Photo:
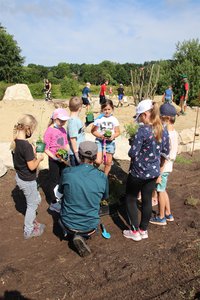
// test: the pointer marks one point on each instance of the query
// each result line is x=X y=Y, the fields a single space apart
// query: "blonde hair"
x=156 y=122
x=75 y=103
x=27 y=123
x=168 y=119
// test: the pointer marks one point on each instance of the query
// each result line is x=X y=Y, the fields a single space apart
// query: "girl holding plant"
x=55 y=138
x=106 y=130
x=150 y=143
x=25 y=163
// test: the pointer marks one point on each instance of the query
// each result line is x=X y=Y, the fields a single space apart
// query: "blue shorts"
x=161 y=187
x=120 y=97
x=110 y=146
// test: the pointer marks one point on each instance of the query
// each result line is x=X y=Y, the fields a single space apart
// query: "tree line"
x=70 y=77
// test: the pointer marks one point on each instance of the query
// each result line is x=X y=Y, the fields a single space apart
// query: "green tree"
x=69 y=87
x=187 y=61
x=10 y=58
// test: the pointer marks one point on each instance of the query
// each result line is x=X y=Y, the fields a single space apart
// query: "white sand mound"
x=18 y=92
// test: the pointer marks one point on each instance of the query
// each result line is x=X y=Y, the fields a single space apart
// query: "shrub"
x=3 y=87
x=69 y=87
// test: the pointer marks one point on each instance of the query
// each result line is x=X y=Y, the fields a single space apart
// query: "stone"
x=18 y=92
x=3 y=168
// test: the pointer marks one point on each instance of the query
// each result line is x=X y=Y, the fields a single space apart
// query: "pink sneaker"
x=132 y=234
x=143 y=234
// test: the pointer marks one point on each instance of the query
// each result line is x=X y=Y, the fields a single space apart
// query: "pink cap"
x=61 y=114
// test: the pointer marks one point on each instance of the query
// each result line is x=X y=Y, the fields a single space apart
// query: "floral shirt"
x=145 y=153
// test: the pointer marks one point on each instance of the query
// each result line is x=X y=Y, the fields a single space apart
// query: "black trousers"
x=133 y=186
x=55 y=170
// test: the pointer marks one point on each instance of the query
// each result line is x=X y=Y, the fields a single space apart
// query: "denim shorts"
x=120 y=96
x=161 y=187
x=110 y=146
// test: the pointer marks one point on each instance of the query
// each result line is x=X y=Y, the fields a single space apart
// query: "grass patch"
x=183 y=160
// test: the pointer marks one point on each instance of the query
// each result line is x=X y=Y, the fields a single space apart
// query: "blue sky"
x=90 y=31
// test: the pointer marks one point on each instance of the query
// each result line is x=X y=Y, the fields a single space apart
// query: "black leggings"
x=133 y=186
x=55 y=170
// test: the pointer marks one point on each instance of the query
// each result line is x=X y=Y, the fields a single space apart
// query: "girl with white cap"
x=150 y=143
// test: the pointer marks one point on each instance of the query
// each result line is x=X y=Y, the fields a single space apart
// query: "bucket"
x=89 y=118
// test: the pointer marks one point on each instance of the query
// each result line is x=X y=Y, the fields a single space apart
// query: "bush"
x=37 y=90
x=3 y=87
x=69 y=87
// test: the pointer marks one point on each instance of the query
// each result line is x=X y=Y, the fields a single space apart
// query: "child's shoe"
x=55 y=207
x=81 y=246
x=37 y=231
x=158 y=221
x=143 y=234
x=169 y=218
x=132 y=234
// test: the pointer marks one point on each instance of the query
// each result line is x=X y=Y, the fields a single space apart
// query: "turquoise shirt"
x=75 y=129
x=83 y=187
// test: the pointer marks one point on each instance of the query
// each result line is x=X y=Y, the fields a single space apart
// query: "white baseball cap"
x=143 y=106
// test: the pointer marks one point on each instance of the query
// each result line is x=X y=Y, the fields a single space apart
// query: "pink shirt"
x=55 y=138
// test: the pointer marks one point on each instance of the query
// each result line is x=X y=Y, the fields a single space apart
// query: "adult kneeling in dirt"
x=82 y=187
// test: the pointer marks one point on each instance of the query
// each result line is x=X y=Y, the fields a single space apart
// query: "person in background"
x=168 y=96
x=168 y=116
x=86 y=95
x=75 y=130
x=25 y=163
x=120 y=91
x=150 y=142
x=47 y=90
x=55 y=138
x=102 y=95
x=184 y=94
x=82 y=187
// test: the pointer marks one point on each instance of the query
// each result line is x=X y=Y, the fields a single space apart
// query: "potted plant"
x=40 y=145
x=89 y=116
x=62 y=154
x=130 y=131
x=107 y=133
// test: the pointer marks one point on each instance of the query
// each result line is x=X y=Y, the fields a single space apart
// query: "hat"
x=88 y=149
x=143 y=106
x=167 y=109
x=61 y=114
x=183 y=76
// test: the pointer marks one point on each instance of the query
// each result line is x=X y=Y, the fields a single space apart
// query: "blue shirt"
x=75 y=129
x=83 y=187
x=85 y=92
x=168 y=94
x=145 y=153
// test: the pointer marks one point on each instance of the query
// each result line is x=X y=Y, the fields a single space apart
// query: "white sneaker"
x=132 y=234
x=143 y=234
x=55 y=207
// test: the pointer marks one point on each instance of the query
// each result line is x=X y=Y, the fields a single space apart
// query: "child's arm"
x=33 y=164
x=95 y=132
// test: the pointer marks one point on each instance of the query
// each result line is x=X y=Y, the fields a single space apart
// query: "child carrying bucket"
x=106 y=130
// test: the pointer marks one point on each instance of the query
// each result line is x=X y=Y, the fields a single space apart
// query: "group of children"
x=151 y=159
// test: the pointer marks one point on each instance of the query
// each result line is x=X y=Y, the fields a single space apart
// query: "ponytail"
x=156 y=122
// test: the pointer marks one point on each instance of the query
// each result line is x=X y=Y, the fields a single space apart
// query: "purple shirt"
x=55 y=138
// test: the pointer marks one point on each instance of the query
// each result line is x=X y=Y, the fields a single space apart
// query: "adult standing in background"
x=184 y=94
x=47 y=90
x=102 y=95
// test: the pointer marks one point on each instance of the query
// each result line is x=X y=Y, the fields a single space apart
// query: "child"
x=55 y=137
x=26 y=163
x=86 y=95
x=150 y=142
x=75 y=130
x=168 y=115
x=120 y=91
x=106 y=122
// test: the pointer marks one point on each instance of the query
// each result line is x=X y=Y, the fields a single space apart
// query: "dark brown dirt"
x=165 y=266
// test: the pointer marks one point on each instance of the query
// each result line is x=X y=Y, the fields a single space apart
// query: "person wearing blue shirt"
x=168 y=95
x=150 y=143
x=82 y=187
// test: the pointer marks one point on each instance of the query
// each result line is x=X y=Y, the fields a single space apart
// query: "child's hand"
x=159 y=179
x=40 y=156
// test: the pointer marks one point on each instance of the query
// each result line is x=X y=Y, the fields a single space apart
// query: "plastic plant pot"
x=40 y=147
x=90 y=118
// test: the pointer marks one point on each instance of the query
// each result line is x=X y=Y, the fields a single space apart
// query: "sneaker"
x=158 y=221
x=81 y=246
x=55 y=207
x=132 y=234
x=169 y=218
x=143 y=234
x=37 y=231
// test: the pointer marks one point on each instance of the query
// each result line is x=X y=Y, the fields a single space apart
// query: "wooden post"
x=195 y=130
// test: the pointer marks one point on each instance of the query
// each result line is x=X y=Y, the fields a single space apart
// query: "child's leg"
x=167 y=205
x=162 y=203
x=54 y=177
x=99 y=158
x=108 y=163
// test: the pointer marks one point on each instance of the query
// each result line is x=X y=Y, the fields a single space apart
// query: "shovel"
x=104 y=233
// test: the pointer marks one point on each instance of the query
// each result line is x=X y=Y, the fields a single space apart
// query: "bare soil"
x=165 y=266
